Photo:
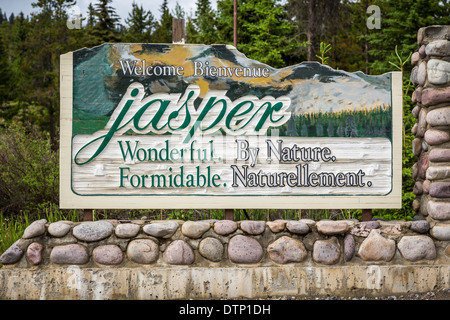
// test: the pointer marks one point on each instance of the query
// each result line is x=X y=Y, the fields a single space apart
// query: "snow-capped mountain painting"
x=324 y=102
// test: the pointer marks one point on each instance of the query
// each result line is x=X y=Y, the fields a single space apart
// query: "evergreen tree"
x=16 y=40
x=140 y=25
x=263 y=30
x=91 y=16
x=89 y=38
x=107 y=19
x=39 y=66
x=204 y=24
x=5 y=73
x=400 y=21
x=191 y=31
x=163 y=32
x=178 y=12
x=315 y=21
x=350 y=47
x=224 y=21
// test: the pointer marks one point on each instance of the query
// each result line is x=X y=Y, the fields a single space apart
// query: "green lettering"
x=137 y=117
x=128 y=150
x=214 y=178
x=235 y=110
x=209 y=105
x=174 y=114
x=159 y=177
x=268 y=113
x=122 y=176
x=107 y=137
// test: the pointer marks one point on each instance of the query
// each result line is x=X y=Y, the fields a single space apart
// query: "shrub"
x=29 y=171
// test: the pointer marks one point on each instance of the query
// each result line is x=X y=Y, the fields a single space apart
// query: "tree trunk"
x=311 y=30
x=366 y=43
x=53 y=124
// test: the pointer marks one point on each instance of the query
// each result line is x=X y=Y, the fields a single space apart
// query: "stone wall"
x=431 y=78
x=226 y=243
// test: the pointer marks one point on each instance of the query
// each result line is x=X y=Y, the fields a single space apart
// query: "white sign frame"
x=69 y=199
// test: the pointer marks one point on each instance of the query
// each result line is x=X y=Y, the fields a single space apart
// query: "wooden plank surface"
x=102 y=175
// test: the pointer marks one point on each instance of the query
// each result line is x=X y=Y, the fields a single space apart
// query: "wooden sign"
x=196 y=126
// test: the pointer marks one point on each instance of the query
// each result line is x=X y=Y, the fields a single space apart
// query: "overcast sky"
x=123 y=7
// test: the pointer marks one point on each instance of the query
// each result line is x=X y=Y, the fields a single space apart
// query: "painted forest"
x=344 y=34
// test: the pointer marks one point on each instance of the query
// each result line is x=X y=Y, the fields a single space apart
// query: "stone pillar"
x=431 y=78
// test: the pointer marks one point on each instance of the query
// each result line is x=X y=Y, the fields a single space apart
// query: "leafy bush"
x=29 y=171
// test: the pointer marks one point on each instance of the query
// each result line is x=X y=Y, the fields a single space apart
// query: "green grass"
x=11 y=230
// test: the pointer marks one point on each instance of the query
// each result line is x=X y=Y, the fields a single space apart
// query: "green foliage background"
x=279 y=33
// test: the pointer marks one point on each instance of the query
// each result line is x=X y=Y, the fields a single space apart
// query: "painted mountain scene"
x=324 y=102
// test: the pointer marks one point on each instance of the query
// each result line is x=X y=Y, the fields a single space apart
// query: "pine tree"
x=39 y=68
x=178 y=12
x=107 y=19
x=91 y=16
x=191 y=31
x=16 y=41
x=400 y=21
x=140 y=25
x=224 y=21
x=5 y=73
x=204 y=24
x=350 y=47
x=163 y=32
x=315 y=21
x=263 y=30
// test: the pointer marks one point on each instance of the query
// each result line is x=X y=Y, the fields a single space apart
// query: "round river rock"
x=253 y=227
x=161 y=229
x=243 y=249
x=195 y=229
x=144 y=251
x=225 y=227
x=179 y=253
x=349 y=247
x=34 y=253
x=211 y=249
x=414 y=248
x=69 y=254
x=377 y=248
x=108 y=254
x=420 y=226
x=331 y=227
x=298 y=227
x=35 y=229
x=326 y=251
x=12 y=254
x=93 y=231
x=286 y=250
x=59 y=229
x=127 y=230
